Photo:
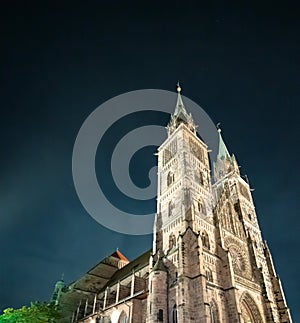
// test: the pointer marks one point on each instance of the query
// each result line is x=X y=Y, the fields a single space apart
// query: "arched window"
x=209 y=275
x=172 y=241
x=174 y=314
x=160 y=315
x=249 y=310
x=170 y=178
x=214 y=312
x=201 y=206
x=170 y=208
x=123 y=318
x=205 y=240
x=201 y=178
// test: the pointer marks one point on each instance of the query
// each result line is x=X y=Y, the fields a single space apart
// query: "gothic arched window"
x=201 y=206
x=249 y=310
x=170 y=208
x=160 y=315
x=209 y=275
x=123 y=318
x=174 y=314
x=172 y=241
x=201 y=178
x=205 y=240
x=170 y=178
x=214 y=313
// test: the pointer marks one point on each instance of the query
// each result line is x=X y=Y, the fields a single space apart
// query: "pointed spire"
x=224 y=163
x=223 y=151
x=180 y=109
x=180 y=114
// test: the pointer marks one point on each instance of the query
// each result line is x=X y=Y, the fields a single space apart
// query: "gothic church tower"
x=209 y=262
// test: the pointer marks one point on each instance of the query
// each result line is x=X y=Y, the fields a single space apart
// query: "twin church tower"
x=207 y=238
x=208 y=262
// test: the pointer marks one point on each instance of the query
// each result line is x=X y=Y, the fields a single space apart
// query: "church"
x=208 y=262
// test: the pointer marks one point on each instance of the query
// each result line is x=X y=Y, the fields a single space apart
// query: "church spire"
x=224 y=163
x=223 y=151
x=180 y=115
x=179 y=104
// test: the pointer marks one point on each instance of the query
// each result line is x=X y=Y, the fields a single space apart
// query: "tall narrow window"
x=205 y=240
x=201 y=206
x=160 y=315
x=123 y=318
x=174 y=314
x=170 y=208
x=209 y=275
x=170 y=178
x=172 y=241
x=201 y=178
x=214 y=312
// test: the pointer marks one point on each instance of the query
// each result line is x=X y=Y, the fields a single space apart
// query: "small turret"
x=58 y=289
x=158 y=289
x=225 y=163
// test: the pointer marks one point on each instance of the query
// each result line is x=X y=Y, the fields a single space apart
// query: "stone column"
x=94 y=304
x=105 y=298
x=118 y=292
x=132 y=284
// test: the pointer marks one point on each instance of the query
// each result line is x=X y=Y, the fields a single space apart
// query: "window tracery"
x=249 y=310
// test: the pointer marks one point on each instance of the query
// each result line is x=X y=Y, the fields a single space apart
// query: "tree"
x=35 y=313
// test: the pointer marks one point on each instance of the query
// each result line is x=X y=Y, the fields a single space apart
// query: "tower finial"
x=218 y=127
x=178 y=87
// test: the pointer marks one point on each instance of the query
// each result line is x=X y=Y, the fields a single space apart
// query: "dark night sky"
x=59 y=62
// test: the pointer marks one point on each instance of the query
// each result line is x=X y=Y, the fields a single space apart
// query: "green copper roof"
x=160 y=266
x=223 y=151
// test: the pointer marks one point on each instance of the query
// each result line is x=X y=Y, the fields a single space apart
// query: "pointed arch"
x=174 y=314
x=172 y=241
x=209 y=275
x=201 y=177
x=170 y=208
x=249 y=310
x=205 y=239
x=170 y=178
x=200 y=206
x=214 y=312
x=123 y=318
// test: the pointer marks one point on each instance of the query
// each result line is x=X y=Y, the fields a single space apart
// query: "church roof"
x=92 y=281
x=119 y=255
x=107 y=272
x=134 y=265
x=160 y=266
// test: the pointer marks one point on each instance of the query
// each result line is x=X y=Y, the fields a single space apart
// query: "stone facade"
x=208 y=262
